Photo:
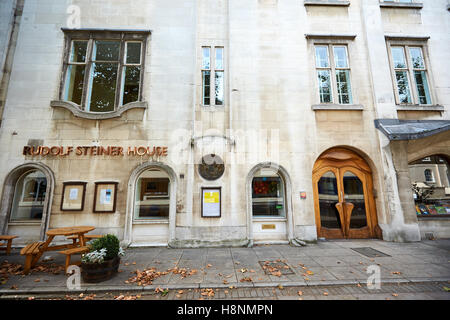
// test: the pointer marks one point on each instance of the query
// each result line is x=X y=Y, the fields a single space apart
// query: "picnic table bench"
x=35 y=250
x=6 y=240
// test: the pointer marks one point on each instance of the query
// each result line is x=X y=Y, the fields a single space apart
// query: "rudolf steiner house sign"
x=95 y=151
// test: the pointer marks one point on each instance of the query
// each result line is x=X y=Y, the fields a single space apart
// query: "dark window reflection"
x=328 y=197
x=354 y=193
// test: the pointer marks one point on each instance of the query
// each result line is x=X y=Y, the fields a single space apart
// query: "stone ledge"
x=77 y=112
x=330 y=36
x=334 y=3
x=401 y=5
x=421 y=108
x=357 y=107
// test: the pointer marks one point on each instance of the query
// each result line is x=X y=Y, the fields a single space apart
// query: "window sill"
x=334 y=3
x=433 y=217
x=24 y=223
x=420 y=108
x=266 y=219
x=151 y=221
x=357 y=107
x=77 y=112
x=400 y=5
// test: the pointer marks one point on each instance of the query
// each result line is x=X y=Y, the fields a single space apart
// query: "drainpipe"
x=9 y=57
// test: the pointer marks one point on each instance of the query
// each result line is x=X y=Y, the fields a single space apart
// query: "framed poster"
x=211 y=202
x=105 y=197
x=73 y=196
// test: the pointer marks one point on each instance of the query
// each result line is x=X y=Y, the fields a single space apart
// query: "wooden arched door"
x=343 y=198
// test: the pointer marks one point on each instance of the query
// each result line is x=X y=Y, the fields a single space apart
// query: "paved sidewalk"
x=327 y=263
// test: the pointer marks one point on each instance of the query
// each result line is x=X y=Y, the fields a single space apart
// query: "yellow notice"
x=211 y=197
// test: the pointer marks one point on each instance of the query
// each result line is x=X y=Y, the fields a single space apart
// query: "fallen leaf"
x=300 y=293
x=309 y=272
x=37 y=280
x=280 y=287
x=209 y=265
x=395 y=294
x=396 y=272
x=246 y=279
x=358 y=285
x=180 y=291
x=325 y=293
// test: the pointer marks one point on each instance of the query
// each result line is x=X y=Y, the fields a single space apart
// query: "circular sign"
x=212 y=167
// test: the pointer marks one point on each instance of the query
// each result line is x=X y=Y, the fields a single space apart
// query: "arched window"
x=428 y=175
x=29 y=196
x=268 y=194
x=152 y=195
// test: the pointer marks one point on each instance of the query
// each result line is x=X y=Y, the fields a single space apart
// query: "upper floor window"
x=410 y=74
x=103 y=70
x=428 y=175
x=212 y=76
x=333 y=74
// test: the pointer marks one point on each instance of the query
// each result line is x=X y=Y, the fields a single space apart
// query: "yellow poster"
x=211 y=197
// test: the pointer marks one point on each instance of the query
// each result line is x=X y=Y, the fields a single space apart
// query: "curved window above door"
x=103 y=72
x=268 y=194
x=29 y=197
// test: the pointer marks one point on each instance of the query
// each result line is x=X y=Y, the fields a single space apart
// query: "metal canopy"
x=396 y=129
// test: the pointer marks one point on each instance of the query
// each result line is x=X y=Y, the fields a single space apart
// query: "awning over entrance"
x=396 y=129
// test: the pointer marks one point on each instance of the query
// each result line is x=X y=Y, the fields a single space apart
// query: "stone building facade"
x=221 y=123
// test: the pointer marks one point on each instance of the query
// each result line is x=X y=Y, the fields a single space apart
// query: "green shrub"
x=110 y=242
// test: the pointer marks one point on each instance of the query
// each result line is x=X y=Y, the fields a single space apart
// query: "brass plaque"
x=268 y=226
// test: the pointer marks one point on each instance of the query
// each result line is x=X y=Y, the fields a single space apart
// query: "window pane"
x=268 y=196
x=328 y=197
x=417 y=58
x=324 y=86
x=152 y=195
x=78 y=53
x=422 y=87
x=398 y=55
x=74 y=83
x=322 y=57
x=206 y=78
x=106 y=50
x=133 y=53
x=344 y=87
x=29 y=196
x=219 y=58
x=354 y=193
x=219 y=87
x=206 y=61
x=340 y=57
x=103 y=87
x=130 y=82
x=403 y=86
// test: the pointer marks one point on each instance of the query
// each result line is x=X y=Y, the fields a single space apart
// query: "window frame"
x=92 y=35
x=407 y=45
x=330 y=44
x=212 y=75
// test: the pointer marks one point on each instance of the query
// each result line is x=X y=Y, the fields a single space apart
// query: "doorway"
x=343 y=198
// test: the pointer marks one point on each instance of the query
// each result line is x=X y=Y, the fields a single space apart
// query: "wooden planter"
x=97 y=272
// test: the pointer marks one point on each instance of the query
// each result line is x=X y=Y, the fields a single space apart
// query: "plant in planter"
x=102 y=261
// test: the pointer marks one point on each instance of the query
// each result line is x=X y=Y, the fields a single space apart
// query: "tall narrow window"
x=212 y=75
x=410 y=75
x=75 y=71
x=333 y=74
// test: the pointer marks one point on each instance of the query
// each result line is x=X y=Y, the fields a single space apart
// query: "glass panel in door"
x=328 y=197
x=354 y=193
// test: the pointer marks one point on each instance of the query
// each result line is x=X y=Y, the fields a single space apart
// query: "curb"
x=96 y=289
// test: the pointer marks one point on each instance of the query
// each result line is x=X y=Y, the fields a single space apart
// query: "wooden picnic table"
x=36 y=252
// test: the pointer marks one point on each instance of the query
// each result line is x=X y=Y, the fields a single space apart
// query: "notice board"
x=211 y=202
